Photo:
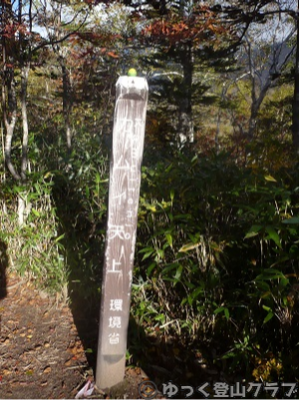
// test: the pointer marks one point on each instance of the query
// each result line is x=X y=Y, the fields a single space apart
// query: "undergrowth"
x=34 y=247
x=217 y=260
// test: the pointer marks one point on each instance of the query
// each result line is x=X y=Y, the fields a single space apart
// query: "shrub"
x=218 y=255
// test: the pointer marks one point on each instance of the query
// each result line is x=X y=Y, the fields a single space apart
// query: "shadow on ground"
x=162 y=358
x=3 y=267
x=83 y=244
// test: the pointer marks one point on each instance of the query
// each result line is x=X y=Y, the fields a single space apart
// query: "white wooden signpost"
x=124 y=188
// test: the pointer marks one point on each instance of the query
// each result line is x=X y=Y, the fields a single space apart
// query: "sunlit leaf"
x=268 y=317
x=35 y=212
x=253 y=231
x=89 y=351
x=273 y=235
x=169 y=239
x=172 y=195
x=270 y=178
x=269 y=274
x=188 y=247
x=224 y=310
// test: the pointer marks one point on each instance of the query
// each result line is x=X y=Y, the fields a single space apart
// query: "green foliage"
x=272 y=149
x=218 y=250
x=34 y=248
x=80 y=196
x=217 y=245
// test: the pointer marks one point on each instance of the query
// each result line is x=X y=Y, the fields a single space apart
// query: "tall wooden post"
x=124 y=188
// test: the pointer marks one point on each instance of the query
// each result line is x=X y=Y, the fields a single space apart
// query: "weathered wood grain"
x=124 y=188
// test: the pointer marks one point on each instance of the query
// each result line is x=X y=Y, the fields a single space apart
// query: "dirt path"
x=41 y=354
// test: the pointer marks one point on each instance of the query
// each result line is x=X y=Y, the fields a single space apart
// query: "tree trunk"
x=186 y=128
x=22 y=197
x=9 y=101
x=13 y=53
x=10 y=117
x=295 y=117
x=255 y=108
x=67 y=102
x=24 y=82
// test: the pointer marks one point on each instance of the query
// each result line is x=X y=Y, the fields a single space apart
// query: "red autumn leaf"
x=112 y=54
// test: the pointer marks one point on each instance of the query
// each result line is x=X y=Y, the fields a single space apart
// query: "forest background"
x=216 y=264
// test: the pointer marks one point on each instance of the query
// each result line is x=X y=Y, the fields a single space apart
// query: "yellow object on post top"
x=132 y=72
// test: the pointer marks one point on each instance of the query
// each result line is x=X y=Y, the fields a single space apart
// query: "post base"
x=110 y=370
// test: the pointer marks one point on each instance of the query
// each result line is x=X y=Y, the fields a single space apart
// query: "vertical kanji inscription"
x=124 y=187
